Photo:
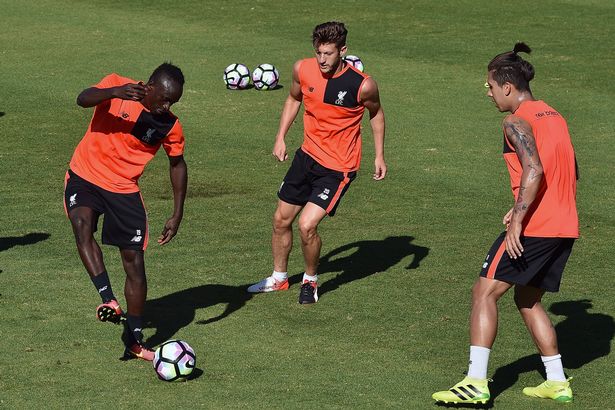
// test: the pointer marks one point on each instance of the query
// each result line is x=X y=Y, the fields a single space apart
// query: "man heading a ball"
x=335 y=96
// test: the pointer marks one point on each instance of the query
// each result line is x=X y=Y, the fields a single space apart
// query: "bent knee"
x=307 y=229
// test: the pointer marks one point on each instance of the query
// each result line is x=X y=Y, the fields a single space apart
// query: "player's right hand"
x=279 y=150
x=134 y=92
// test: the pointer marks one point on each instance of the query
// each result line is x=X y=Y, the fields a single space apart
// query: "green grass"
x=383 y=335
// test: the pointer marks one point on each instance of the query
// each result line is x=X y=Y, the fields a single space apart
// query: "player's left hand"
x=514 y=248
x=169 y=231
x=380 y=169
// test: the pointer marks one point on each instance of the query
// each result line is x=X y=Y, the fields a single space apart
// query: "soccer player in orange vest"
x=131 y=121
x=540 y=230
x=335 y=95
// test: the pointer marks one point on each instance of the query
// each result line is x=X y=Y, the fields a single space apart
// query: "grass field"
x=400 y=256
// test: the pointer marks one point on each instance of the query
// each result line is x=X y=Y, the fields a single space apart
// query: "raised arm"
x=93 y=96
x=289 y=113
x=179 y=181
x=519 y=134
x=370 y=98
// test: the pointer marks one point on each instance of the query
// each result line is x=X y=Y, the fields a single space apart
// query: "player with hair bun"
x=541 y=228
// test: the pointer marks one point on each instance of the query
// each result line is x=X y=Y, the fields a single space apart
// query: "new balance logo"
x=340 y=97
x=72 y=200
x=325 y=194
x=137 y=237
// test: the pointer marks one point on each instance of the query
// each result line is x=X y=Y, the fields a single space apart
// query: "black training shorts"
x=125 y=220
x=308 y=181
x=541 y=265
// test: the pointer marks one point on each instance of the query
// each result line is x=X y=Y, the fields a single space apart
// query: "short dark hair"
x=509 y=67
x=167 y=70
x=332 y=32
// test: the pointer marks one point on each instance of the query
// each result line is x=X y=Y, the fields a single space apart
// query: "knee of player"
x=281 y=223
x=307 y=229
x=82 y=229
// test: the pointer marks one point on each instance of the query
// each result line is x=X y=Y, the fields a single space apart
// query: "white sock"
x=279 y=276
x=554 y=368
x=309 y=278
x=479 y=359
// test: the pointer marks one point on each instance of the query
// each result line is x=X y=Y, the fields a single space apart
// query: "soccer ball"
x=236 y=77
x=355 y=62
x=265 y=77
x=174 y=360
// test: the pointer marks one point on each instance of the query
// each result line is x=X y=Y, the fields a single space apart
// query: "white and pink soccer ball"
x=265 y=77
x=355 y=62
x=174 y=360
x=236 y=77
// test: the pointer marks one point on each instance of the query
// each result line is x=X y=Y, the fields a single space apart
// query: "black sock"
x=103 y=286
x=135 y=326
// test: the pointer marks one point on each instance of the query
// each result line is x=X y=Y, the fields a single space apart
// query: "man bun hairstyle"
x=332 y=32
x=167 y=70
x=510 y=67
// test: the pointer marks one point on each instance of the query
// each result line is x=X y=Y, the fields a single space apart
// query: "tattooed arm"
x=519 y=134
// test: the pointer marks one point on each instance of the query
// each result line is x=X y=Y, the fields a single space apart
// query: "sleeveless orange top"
x=333 y=114
x=121 y=139
x=554 y=211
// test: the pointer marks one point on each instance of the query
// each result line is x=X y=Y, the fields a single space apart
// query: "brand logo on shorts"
x=137 y=237
x=340 y=97
x=72 y=200
x=485 y=265
x=325 y=194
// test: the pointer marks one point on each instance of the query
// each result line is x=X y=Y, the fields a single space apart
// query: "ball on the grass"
x=174 y=360
x=236 y=76
x=355 y=62
x=265 y=77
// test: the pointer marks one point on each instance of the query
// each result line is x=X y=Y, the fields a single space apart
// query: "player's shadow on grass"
x=582 y=338
x=361 y=259
x=28 y=239
x=168 y=314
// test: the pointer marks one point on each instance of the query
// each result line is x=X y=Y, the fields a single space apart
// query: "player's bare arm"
x=179 y=181
x=289 y=113
x=93 y=96
x=519 y=133
x=370 y=98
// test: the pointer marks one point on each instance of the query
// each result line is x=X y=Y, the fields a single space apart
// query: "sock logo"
x=102 y=289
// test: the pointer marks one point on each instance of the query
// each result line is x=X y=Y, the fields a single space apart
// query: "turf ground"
x=398 y=259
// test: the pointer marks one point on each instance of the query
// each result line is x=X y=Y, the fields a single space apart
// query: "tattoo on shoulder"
x=519 y=137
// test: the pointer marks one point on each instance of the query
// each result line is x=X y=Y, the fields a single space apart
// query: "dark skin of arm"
x=91 y=97
x=519 y=134
x=178 y=171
